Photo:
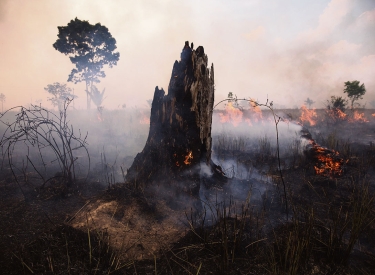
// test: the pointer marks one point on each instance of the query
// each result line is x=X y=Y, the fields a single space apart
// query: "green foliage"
x=61 y=93
x=89 y=48
x=354 y=91
x=337 y=103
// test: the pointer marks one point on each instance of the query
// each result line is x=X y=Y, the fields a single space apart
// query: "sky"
x=285 y=51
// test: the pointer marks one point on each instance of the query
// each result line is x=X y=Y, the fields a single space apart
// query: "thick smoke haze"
x=287 y=50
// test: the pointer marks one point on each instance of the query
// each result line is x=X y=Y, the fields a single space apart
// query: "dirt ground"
x=92 y=228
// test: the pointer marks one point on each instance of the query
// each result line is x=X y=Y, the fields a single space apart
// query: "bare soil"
x=92 y=228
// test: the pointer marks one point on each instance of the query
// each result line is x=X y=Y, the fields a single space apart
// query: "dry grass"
x=330 y=229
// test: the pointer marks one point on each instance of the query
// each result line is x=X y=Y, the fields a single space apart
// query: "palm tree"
x=97 y=96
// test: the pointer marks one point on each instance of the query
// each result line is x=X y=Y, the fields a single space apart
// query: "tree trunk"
x=88 y=99
x=179 y=140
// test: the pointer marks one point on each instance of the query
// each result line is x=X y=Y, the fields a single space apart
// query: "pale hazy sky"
x=288 y=50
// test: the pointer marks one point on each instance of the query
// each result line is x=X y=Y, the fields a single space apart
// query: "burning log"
x=328 y=162
x=180 y=128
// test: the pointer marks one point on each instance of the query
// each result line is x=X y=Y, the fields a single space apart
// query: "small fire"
x=359 y=117
x=235 y=115
x=144 y=120
x=255 y=113
x=99 y=116
x=327 y=162
x=232 y=114
x=337 y=114
x=177 y=163
x=373 y=114
x=308 y=115
x=99 y=113
x=188 y=158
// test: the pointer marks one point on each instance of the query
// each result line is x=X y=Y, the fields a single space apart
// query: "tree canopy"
x=60 y=93
x=337 y=103
x=89 y=48
x=354 y=91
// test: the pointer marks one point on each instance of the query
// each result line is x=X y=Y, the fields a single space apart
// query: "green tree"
x=354 y=91
x=337 y=103
x=89 y=48
x=309 y=102
x=60 y=93
x=2 y=99
x=336 y=108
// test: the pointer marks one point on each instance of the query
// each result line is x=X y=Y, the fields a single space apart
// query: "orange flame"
x=236 y=116
x=329 y=163
x=99 y=116
x=373 y=114
x=255 y=112
x=308 y=115
x=188 y=158
x=359 y=117
x=337 y=114
x=144 y=120
x=232 y=114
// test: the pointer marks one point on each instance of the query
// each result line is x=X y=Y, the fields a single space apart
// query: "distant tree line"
x=354 y=91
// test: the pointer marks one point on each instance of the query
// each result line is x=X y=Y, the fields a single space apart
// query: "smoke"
x=3 y=7
x=286 y=51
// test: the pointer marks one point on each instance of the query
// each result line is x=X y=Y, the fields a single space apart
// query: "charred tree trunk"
x=179 y=140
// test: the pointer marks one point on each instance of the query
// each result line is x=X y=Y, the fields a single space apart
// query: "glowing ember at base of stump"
x=179 y=140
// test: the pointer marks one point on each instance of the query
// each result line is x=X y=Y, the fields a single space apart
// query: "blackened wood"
x=179 y=140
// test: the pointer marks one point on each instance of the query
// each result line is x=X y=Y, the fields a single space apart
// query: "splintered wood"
x=179 y=139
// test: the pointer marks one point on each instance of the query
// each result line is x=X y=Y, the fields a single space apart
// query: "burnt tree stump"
x=179 y=140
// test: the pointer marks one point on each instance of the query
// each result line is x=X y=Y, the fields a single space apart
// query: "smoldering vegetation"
x=276 y=213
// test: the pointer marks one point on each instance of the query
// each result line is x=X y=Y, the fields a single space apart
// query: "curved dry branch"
x=277 y=119
x=41 y=129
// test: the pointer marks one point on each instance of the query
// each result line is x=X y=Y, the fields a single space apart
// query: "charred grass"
x=329 y=230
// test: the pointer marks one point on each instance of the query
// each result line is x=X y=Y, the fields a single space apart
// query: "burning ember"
x=188 y=158
x=232 y=114
x=327 y=161
x=99 y=116
x=308 y=115
x=144 y=120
